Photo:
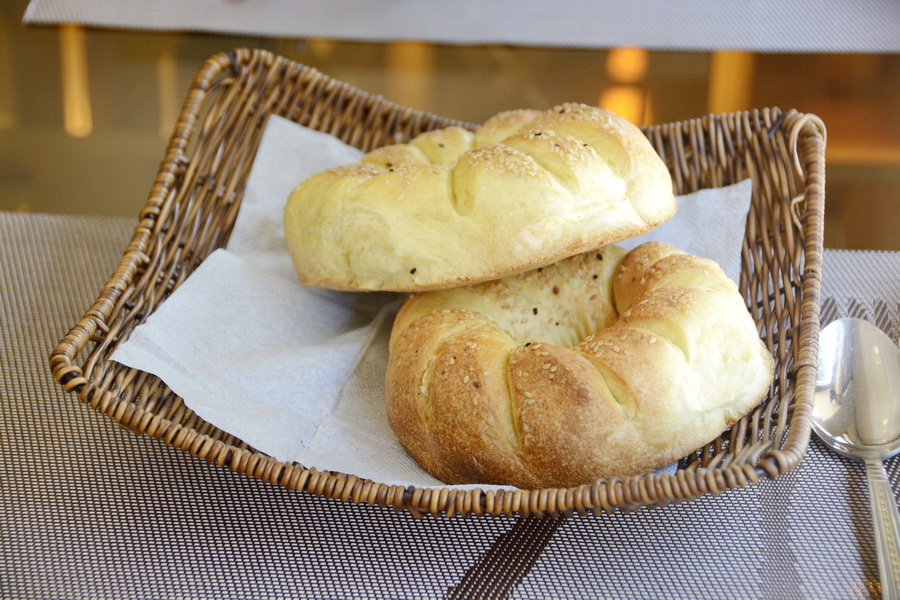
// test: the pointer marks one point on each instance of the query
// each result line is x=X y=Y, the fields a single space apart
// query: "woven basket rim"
x=805 y=134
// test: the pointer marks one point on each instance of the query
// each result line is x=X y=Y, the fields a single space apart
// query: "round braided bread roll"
x=602 y=365
x=454 y=207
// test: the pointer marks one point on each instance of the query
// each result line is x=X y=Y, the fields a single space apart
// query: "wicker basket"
x=197 y=194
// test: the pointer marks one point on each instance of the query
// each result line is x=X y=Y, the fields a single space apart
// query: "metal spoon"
x=857 y=414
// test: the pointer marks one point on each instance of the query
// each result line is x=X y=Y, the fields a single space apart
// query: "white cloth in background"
x=759 y=26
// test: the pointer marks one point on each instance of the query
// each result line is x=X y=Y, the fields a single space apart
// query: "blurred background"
x=85 y=112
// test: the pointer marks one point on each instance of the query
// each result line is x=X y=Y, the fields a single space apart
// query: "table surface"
x=91 y=510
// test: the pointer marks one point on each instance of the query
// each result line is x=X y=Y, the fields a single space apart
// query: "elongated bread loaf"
x=454 y=207
x=601 y=365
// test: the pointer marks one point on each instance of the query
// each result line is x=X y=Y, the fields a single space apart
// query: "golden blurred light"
x=410 y=73
x=7 y=79
x=76 y=96
x=321 y=48
x=167 y=86
x=730 y=81
x=627 y=101
x=627 y=65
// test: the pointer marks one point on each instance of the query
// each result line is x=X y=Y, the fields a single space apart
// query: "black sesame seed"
x=440 y=145
x=555 y=289
x=537 y=133
x=534 y=310
x=596 y=276
x=540 y=269
x=557 y=323
x=528 y=344
x=599 y=257
x=557 y=145
x=412 y=271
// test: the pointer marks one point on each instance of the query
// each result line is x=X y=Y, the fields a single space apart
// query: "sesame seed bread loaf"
x=454 y=207
x=605 y=364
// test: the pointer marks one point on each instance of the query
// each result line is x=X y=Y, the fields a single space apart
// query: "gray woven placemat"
x=91 y=510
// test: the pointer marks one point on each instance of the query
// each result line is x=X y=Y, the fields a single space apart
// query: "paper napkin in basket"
x=298 y=372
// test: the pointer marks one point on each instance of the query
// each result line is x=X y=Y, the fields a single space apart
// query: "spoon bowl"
x=857 y=414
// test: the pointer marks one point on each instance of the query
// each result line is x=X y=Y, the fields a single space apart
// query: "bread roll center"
x=560 y=304
x=553 y=309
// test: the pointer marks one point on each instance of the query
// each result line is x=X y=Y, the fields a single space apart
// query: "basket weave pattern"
x=197 y=194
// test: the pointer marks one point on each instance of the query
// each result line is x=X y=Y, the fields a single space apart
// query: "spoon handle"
x=887 y=528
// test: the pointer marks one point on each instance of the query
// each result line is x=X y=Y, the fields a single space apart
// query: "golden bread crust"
x=602 y=365
x=453 y=207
